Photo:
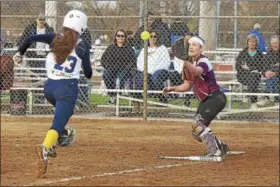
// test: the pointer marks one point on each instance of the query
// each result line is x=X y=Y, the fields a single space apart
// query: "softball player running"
x=199 y=75
x=68 y=56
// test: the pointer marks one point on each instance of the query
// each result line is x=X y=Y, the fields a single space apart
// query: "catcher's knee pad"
x=67 y=138
x=199 y=129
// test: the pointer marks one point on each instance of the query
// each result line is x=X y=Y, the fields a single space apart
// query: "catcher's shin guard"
x=198 y=128
x=204 y=134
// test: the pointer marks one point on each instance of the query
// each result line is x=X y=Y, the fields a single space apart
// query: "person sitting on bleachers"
x=118 y=61
x=249 y=66
x=158 y=65
x=272 y=71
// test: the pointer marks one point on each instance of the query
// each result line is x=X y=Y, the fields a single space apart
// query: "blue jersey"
x=261 y=46
x=78 y=59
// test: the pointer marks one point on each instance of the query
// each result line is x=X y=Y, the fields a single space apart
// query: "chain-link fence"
x=241 y=42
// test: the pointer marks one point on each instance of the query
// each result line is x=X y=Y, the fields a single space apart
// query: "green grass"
x=5 y=98
x=100 y=99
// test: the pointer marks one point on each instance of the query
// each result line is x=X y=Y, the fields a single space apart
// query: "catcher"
x=7 y=65
x=180 y=47
x=199 y=75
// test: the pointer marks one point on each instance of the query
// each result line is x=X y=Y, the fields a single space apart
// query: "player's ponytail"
x=64 y=44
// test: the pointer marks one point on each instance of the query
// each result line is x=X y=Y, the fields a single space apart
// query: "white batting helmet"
x=76 y=20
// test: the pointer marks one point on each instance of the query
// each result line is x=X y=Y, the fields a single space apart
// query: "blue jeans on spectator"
x=137 y=52
x=155 y=82
x=110 y=78
x=272 y=86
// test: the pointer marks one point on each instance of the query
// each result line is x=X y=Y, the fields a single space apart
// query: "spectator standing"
x=86 y=36
x=249 y=66
x=272 y=71
x=158 y=65
x=6 y=67
x=163 y=30
x=118 y=61
x=157 y=25
x=38 y=27
x=178 y=29
x=130 y=40
x=84 y=83
x=257 y=31
x=138 y=42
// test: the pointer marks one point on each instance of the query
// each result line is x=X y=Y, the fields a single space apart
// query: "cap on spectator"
x=257 y=26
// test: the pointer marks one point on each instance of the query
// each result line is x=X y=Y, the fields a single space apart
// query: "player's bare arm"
x=186 y=86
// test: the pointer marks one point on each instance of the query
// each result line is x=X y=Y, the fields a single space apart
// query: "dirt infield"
x=124 y=153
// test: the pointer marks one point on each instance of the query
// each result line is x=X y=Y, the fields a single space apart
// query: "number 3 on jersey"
x=71 y=60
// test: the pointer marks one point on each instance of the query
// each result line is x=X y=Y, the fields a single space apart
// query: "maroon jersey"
x=206 y=83
x=7 y=72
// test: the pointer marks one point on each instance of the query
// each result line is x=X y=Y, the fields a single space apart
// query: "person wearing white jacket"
x=158 y=65
x=158 y=59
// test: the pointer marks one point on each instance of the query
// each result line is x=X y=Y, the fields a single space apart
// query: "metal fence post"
x=145 y=83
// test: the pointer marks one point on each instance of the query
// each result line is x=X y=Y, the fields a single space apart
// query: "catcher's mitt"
x=7 y=72
x=180 y=48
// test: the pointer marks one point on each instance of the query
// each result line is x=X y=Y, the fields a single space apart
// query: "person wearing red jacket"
x=7 y=65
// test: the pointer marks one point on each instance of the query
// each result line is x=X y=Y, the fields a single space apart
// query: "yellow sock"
x=51 y=138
